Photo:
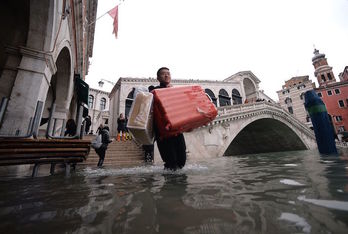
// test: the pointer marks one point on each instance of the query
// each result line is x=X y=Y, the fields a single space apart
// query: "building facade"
x=334 y=94
x=98 y=105
x=45 y=48
x=291 y=97
x=232 y=91
x=344 y=75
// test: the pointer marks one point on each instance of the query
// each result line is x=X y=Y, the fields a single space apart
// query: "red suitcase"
x=181 y=109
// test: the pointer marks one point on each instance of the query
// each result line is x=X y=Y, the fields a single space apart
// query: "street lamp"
x=101 y=82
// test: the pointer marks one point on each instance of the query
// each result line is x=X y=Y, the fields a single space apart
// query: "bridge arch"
x=264 y=135
x=257 y=127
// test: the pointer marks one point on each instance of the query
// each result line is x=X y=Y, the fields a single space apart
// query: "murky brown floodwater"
x=289 y=192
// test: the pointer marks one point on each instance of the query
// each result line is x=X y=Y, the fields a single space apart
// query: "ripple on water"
x=140 y=170
x=290 y=165
x=332 y=204
x=299 y=221
x=291 y=182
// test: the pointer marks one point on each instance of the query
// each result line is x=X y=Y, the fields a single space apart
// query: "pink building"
x=334 y=94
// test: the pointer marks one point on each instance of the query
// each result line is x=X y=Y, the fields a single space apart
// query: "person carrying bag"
x=100 y=144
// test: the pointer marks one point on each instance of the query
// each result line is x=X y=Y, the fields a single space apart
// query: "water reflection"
x=37 y=205
x=288 y=192
x=337 y=174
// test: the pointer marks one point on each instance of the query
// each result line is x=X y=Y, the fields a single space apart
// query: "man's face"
x=164 y=77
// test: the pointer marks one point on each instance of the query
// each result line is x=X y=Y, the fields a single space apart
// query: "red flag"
x=114 y=14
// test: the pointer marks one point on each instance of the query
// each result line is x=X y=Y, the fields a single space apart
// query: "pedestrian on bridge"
x=121 y=128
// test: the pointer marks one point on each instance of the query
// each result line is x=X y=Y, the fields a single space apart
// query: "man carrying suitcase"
x=172 y=149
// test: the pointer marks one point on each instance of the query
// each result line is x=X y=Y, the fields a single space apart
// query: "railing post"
x=3 y=106
x=63 y=128
x=36 y=121
x=53 y=109
x=29 y=126
x=79 y=121
x=54 y=126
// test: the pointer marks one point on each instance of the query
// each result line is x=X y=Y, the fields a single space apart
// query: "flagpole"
x=103 y=14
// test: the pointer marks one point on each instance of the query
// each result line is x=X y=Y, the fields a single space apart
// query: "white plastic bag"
x=97 y=142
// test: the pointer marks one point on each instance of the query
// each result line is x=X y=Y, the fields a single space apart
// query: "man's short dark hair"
x=162 y=68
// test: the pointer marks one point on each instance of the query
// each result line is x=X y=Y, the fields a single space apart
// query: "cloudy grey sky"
x=212 y=40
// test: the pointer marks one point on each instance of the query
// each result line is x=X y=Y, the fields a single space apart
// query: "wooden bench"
x=43 y=151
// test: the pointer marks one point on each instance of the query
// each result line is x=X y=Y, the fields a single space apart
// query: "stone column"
x=31 y=85
x=9 y=72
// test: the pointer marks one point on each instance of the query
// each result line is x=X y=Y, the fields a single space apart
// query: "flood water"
x=288 y=192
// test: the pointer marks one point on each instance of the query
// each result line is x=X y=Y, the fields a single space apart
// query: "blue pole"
x=323 y=129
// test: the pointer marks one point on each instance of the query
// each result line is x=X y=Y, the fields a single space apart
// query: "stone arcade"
x=44 y=45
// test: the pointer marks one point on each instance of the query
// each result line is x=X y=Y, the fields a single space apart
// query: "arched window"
x=224 y=99
x=288 y=100
x=102 y=103
x=129 y=101
x=211 y=95
x=236 y=98
x=302 y=97
x=288 y=103
x=90 y=101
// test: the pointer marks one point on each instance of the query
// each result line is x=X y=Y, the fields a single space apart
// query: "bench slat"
x=26 y=140
x=40 y=151
x=29 y=150
x=40 y=161
x=40 y=145
x=48 y=155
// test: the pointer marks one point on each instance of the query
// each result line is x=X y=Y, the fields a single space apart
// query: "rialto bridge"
x=257 y=127
x=237 y=89
x=254 y=127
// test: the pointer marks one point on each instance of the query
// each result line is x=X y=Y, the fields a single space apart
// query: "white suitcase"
x=140 y=120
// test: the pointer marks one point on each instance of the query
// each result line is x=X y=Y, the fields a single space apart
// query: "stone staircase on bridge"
x=119 y=154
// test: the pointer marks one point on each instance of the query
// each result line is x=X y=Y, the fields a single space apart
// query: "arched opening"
x=58 y=91
x=249 y=89
x=224 y=99
x=63 y=76
x=129 y=101
x=265 y=135
x=236 y=98
x=211 y=95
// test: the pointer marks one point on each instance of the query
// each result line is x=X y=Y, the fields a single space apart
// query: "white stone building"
x=45 y=48
x=231 y=91
x=291 y=97
x=98 y=104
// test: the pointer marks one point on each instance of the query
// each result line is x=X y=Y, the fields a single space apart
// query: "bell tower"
x=323 y=72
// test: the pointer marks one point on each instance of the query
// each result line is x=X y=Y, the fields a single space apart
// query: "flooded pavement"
x=288 y=192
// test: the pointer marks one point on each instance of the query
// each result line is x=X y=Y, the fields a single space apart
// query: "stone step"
x=121 y=164
x=138 y=157
x=119 y=153
x=114 y=162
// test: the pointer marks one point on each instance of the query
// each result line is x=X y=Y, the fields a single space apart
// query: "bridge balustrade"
x=245 y=110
